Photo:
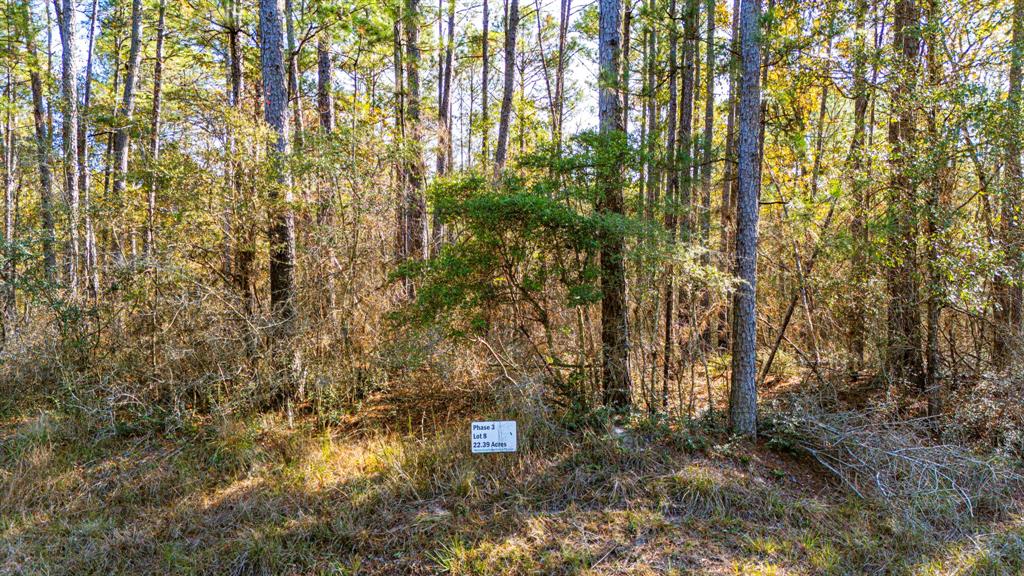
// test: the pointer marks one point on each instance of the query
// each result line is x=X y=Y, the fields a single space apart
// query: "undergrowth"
x=261 y=495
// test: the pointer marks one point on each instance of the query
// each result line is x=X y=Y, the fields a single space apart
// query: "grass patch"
x=260 y=496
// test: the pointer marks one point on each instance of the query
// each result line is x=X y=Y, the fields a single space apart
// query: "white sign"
x=490 y=437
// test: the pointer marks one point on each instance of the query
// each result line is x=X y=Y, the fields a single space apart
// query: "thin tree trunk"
x=677 y=209
x=934 y=214
x=85 y=172
x=552 y=111
x=903 y=360
x=650 y=92
x=709 y=130
x=293 y=72
x=154 y=135
x=856 y=162
x=325 y=213
x=401 y=228
x=415 y=209
x=325 y=103
x=511 y=27
x=743 y=389
x=1008 y=289
x=614 y=328
x=563 y=31
x=729 y=176
x=149 y=247
x=444 y=139
x=42 y=155
x=65 y=14
x=627 y=28
x=686 y=99
x=484 y=83
x=282 y=221
x=239 y=235
x=127 y=108
x=10 y=168
x=671 y=186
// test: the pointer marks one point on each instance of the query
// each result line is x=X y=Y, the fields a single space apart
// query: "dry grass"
x=257 y=496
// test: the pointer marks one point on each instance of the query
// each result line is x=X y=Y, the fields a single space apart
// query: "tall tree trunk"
x=111 y=237
x=85 y=172
x=671 y=187
x=282 y=221
x=325 y=212
x=1008 y=289
x=401 y=248
x=709 y=130
x=511 y=27
x=552 y=109
x=743 y=389
x=686 y=99
x=563 y=32
x=293 y=72
x=653 y=178
x=485 y=83
x=903 y=359
x=627 y=28
x=10 y=168
x=240 y=233
x=325 y=103
x=66 y=24
x=42 y=153
x=127 y=108
x=856 y=163
x=154 y=132
x=415 y=245
x=934 y=212
x=149 y=246
x=614 y=328
x=678 y=205
x=444 y=136
x=729 y=175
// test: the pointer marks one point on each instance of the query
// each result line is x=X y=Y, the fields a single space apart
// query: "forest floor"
x=264 y=496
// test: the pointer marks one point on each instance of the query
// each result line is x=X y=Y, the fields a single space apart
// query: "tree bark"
x=856 y=163
x=127 y=109
x=743 y=389
x=627 y=29
x=728 y=209
x=709 y=131
x=66 y=24
x=42 y=137
x=325 y=103
x=614 y=328
x=653 y=178
x=415 y=245
x=10 y=169
x=325 y=212
x=444 y=136
x=903 y=358
x=511 y=28
x=239 y=236
x=85 y=173
x=484 y=83
x=686 y=99
x=293 y=72
x=1008 y=290
x=154 y=132
x=934 y=213
x=671 y=187
x=563 y=31
x=282 y=220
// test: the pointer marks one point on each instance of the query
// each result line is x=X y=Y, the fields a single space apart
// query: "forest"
x=747 y=276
